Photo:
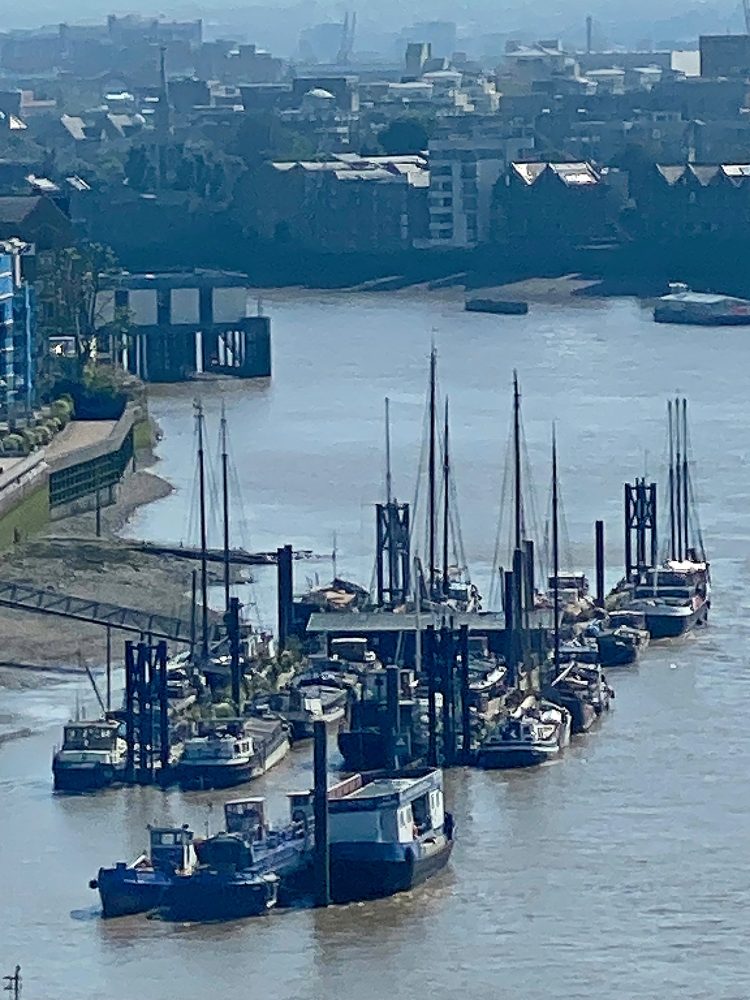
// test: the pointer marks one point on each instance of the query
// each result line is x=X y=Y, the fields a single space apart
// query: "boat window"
x=421 y=812
x=167 y=840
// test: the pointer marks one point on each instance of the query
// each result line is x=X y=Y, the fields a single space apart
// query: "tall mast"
x=446 y=493
x=685 y=478
x=433 y=362
x=672 y=525
x=678 y=482
x=388 y=480
x=517 y=461
x=555 y=553
x=204 y=561
x=225 y=498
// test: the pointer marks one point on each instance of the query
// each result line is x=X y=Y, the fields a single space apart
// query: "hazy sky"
x=276 y=23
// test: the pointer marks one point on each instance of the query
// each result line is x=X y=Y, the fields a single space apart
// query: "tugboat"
x=533 y=734
x=232 y=753
x=388 y=833
x=140 y=886
x=246 y=870
x=92 y=756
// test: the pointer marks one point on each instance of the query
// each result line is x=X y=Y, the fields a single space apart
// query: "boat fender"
x=93 y=883
x=409 y=858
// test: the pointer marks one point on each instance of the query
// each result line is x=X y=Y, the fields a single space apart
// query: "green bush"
x=44 y=435
x=14 y=444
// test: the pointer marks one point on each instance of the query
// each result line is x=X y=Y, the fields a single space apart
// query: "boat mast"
x=388 y=480
x=433 y=362
x=517 y=461
x=672 y=526
x=555 y=554
x=446 y=510
x=678 y=482
x=685 y=478
x=225 y=499
x=204 y=560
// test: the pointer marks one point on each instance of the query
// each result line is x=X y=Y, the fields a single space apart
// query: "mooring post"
x=599 y=533
x=285 y=593
x=529 y=581
x=232 y=621
x=447 y=663
x=510 y=631
x=392 y=713
x=129 y=711
x=161 y=661
x=320 y=805
x=109 y=668
x=432 y=749
x=463 y=646
x=146 y=714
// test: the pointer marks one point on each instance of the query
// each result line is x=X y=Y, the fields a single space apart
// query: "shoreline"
x=39 y=650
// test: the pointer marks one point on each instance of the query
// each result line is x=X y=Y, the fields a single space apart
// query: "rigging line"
x=496 y=584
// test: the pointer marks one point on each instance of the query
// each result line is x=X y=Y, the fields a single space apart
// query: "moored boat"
x=502 y=307
x=673 y=599
x=684 y=306
x=536 y=732
x=232 y=753
x=141 y=885
x=388 y=833
x=92 y=756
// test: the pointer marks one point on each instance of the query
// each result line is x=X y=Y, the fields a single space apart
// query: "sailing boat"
x=539 y=728
x=447 y=585
x=674 y=597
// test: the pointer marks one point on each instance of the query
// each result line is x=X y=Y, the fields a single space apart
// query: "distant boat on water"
x=502 y=307
x=684 y=306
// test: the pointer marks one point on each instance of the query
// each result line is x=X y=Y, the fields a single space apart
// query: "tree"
x=408 y=134
x=69 y=282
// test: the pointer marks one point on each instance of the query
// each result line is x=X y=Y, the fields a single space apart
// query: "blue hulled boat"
x=388 y=832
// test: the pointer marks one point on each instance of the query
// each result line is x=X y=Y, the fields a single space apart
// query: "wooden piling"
x=322 y=859
x=463 y=646
x=599 y=535
x=432 y=749
x=392 y=713
x=285 y=594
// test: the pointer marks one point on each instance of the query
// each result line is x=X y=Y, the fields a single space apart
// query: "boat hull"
x=213 y=896
x=373 y=871
x=85 y=777
x=200 y=776
x=664 y=314
x=671 y=626
x=126 y=891
x=501 y=758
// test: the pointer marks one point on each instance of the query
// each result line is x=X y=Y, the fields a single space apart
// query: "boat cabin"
x=100 y=735
x=246 y=817
x=575 y=585
x=171 y=848
x=386 y=807
x=353 y=649
x=217 y=747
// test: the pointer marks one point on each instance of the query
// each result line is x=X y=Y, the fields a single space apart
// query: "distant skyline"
x=276 y=26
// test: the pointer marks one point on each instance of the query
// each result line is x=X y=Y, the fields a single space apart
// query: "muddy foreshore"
x=69 y=559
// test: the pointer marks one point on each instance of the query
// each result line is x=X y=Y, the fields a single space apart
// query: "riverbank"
x=69 y=560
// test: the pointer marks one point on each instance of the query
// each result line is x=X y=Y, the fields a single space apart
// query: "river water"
x=620 y=871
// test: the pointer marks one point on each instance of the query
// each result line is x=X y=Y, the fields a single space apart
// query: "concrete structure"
x=18 y=347
x=183 y=324
x=725 y=55
x=467 y=156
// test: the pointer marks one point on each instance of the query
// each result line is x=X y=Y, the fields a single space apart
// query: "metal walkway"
x=49 y=602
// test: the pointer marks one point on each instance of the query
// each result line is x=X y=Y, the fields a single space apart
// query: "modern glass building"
x=18 y=355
